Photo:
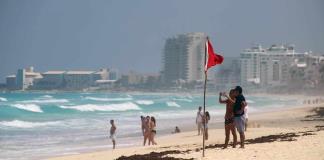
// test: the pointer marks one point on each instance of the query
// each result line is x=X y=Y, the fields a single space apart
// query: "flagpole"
x=205 y=101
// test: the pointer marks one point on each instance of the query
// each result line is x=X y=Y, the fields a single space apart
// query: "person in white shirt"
x=199 y=120
x=246 y=116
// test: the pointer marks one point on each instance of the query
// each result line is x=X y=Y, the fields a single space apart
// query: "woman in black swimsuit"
x=153 y=130
x=229 y=117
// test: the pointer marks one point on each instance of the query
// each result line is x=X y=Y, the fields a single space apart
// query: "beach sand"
x=294 y=133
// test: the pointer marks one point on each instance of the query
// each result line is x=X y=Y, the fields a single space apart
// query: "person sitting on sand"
x=229 y=117
x=206 y=119
x=147 y=131
x=199 y=120
x=153 y=131
x=176 y=130
x=239 y=119
x=113 y=133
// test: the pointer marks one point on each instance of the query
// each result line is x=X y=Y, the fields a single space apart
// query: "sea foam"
x=47 y=96
x=28 y=107
x=25 y=124
x=183 y=99
x=172 y=104
x=109 y=107
x=3 y=99
x=108 y=99
x=145 y=102
x=45 y=101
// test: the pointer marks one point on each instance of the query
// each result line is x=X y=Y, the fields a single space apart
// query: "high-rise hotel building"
x=267 y=67
x=183 y=58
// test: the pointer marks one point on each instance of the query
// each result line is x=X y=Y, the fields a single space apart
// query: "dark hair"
x=199 y=107
x=207 y=114
x=111 y=121
x=153 y=120
x=239 y=89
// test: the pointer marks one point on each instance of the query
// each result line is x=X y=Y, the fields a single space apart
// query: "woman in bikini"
x=153 y=130
x=229 y=117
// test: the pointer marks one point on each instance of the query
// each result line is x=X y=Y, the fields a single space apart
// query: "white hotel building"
x=267 y=67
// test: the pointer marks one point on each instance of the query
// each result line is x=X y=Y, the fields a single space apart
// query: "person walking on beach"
x=239 y=118
x=153 y=131
x=199 y=120
x=206 y=119
x=147 y=131
x=229 y=117
x=113 y=133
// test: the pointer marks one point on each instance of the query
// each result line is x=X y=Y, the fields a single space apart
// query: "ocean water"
x=40 y=125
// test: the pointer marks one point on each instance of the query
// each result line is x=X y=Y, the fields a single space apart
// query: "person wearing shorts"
x=239 y=119
x=113 y=133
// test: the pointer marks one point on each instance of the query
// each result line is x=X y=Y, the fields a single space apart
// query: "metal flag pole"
x=204 y=120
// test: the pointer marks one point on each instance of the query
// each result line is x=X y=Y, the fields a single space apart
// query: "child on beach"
x=229 y=117
x=113 y=133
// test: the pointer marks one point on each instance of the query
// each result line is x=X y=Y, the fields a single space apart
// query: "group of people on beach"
x=235 y=119
x=148 y=129
x=235 y=116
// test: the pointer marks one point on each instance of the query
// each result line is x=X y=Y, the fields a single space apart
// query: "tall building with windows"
x=183 y=58
x=267 y=67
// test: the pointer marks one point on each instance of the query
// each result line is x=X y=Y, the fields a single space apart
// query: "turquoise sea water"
x=39 y=125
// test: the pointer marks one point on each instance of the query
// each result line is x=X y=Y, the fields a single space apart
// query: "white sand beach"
x=294 y=133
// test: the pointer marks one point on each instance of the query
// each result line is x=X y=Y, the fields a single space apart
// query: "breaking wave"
x=28 y=107
x=46 y=101
x=145 y=102
x=110 y=107
x=172 y=104
x=3 y=99
x=183 y=99
x=25 y=124
x=47 y=96
x=109 y=99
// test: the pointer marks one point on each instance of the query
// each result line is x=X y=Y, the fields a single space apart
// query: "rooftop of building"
x=273 y=48
x=79 y=72
x=54 y=72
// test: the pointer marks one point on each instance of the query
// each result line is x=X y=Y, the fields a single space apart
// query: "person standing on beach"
x=113 y=133
x=143 y=124
x=147 y=131
x=206 y=119
x=246 y=116
x=229 y=117
x=199 y=120
x=153 y=131
x=239 y=118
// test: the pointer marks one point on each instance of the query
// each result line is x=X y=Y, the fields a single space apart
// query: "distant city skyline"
x=130 y=35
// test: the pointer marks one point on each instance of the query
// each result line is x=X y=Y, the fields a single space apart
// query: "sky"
x=130 y=34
